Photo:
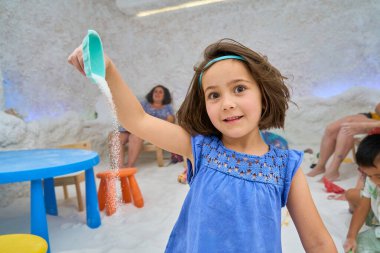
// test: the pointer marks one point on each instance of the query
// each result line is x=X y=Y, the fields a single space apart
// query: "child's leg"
x=327 y=147
x=343 y=145
x=134 y=149
x=329 y=142
x=368 y=242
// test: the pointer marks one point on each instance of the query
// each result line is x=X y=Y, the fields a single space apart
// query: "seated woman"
x=158 y=104
x=337 y=142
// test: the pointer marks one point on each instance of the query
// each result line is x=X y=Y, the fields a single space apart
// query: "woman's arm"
x=352 y=128
x=132 y=116
x=313 y=234
x=357 y=222
x=170 y=118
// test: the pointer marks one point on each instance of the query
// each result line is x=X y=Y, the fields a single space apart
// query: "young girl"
x=238 y=184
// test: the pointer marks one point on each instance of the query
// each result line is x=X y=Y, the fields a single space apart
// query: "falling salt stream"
x=115 y=144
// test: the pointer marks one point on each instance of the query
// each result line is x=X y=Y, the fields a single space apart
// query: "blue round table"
x=45 y=164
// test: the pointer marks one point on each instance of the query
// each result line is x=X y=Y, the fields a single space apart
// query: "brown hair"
x=192 y=115
x=167 y=97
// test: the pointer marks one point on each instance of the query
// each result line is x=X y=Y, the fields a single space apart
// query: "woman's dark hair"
x=192 y=114
x=368 y=150
x=167 y=96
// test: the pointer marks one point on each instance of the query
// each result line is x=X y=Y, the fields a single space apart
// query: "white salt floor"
x=146 y=230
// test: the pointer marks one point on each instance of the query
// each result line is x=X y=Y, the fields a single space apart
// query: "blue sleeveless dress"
x=235 y=199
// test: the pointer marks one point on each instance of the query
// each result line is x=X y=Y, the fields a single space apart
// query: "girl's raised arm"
x=313 y=234
x=132 y=116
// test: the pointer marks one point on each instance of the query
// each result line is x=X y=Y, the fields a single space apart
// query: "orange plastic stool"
x=107 y=189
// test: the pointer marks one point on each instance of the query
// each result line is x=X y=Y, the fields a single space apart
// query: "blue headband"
x=225 y=57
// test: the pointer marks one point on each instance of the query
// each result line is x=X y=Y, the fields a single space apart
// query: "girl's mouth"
x=232 y=119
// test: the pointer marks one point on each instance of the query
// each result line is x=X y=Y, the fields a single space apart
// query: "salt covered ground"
x=147 y=230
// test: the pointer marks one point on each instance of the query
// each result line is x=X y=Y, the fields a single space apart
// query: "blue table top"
x=25 y=165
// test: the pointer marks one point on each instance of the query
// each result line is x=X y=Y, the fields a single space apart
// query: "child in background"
x=238 y=184
x=353 y=195
x=368 y=159
x=274 y=140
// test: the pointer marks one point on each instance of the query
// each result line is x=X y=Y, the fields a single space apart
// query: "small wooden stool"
x=74 y=178
x=107 y=189
x=26 y=243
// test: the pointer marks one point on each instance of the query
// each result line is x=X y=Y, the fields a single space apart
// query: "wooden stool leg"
x=125 y=190
x=102 y=194
x=138 y=200
x=111 y=202
x=79 y=195
x=160 y=157
x=65 y=192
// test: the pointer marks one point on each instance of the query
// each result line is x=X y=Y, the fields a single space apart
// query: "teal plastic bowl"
x=93 y=56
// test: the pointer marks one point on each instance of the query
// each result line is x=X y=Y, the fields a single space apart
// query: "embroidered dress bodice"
x=235 y=199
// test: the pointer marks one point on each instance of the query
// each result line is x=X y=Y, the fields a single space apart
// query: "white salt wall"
x=1 y=92
x=329 y=49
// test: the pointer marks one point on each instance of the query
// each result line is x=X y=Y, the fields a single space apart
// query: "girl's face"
x=158 y=95
x=373 y=172
x=233 y=99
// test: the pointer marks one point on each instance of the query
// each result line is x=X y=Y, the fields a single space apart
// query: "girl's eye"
x=239 y=88
x=213 y=95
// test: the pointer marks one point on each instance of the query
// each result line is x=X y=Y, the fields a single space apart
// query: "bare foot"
x=308 y=150
x=316 y=171
x=332 y=176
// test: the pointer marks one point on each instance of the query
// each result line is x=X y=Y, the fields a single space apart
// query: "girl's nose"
x=228 y=104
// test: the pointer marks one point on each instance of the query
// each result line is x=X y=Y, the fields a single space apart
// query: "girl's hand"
x=349 y=245
x=76 y=59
